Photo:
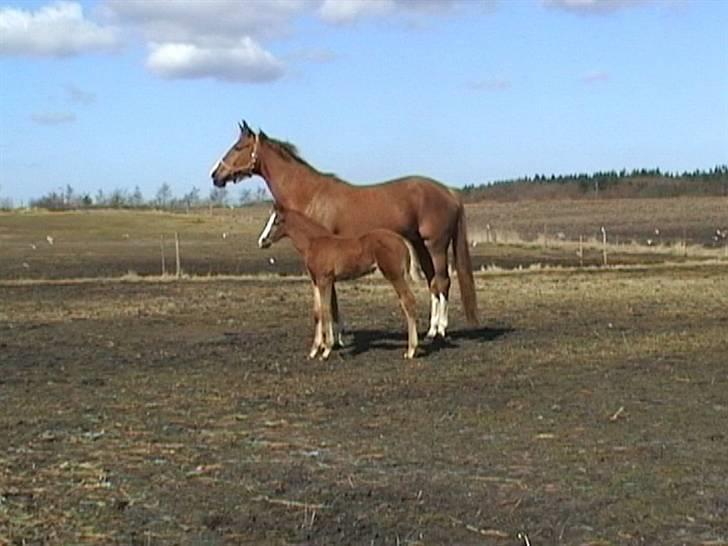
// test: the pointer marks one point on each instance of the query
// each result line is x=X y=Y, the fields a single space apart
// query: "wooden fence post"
x=176 y=251
x=604 y=246
x=581 y=251
x=161 y=246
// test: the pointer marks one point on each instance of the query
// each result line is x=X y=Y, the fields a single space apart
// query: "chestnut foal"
x=329 y=258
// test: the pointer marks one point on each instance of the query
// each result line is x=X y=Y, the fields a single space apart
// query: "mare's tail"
x=464 y=267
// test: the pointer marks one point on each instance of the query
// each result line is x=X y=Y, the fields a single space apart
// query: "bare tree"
x=164 y=196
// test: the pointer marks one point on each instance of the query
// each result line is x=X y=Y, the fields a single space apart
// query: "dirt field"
x=589 y=408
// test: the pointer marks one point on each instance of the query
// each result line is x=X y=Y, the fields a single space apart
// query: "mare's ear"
x=262 y=135
x=244 y=128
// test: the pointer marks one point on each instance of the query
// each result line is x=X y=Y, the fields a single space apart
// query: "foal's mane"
x=288 y=150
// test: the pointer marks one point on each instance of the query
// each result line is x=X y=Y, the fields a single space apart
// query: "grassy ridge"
x=113 y=243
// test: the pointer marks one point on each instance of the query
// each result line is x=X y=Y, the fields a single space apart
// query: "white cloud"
x=79 y=96
x=219 y=39
x=595 y=77
x=56 y=30
x=592 y=7
x=210 y=22
x=209 y=38
x=491 y=84
x=349 y=11
x=53 y=118
x=245 y=62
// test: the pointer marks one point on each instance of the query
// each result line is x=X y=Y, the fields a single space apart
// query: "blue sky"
x=106 y=94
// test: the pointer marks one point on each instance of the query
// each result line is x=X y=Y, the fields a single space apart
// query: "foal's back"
x=352 y=257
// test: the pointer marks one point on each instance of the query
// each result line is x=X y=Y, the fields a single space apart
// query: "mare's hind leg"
x=439 y=290
x=428 y=268
x=318 y=326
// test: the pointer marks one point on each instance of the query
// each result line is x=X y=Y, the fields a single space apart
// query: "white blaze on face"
x=217 y=163
x=267 y=229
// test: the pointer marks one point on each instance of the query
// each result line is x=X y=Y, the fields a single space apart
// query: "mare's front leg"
x=325 y=287
x=318 y=326
x=339 y=328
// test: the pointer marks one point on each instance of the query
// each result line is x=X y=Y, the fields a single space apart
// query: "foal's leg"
x=394 y=268
x=409 y=306
x=325 y=287
x=318 y=327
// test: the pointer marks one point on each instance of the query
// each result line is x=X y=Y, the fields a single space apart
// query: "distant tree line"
x=638 y=183
x=164 y=199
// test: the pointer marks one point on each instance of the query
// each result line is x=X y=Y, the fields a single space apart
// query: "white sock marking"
x=434 y=315
x=442 y=316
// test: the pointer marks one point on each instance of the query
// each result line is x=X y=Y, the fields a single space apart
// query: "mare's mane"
x=289 y=151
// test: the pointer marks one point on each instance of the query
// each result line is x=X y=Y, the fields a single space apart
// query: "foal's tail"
x=464 y=267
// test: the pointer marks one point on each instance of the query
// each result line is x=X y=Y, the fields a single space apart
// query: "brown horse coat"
x=428 y=214
x=329 y=258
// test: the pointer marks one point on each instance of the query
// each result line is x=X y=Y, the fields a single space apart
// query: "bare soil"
x=590 y=408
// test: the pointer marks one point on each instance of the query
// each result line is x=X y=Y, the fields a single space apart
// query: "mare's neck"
x=291 y=183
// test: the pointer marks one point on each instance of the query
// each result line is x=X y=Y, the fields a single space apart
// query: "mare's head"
x=275 y=228
x=239 y=161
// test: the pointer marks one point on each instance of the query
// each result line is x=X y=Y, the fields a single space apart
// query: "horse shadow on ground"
x=361 y=341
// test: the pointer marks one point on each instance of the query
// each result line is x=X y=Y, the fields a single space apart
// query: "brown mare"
x=329 y=258
x=422 y=210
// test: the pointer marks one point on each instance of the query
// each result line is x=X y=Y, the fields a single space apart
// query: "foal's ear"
x=262 y=135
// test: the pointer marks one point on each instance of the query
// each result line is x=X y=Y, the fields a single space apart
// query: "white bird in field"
x=271 y=260
x=224 y=235
x=32 y=245
x=49 y=239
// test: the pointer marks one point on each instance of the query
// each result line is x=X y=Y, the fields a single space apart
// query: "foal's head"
x=275 y=228
x=240 y=160
x=284 y=222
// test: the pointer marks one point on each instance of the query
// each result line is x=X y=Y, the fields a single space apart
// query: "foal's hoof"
x=409 y=355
